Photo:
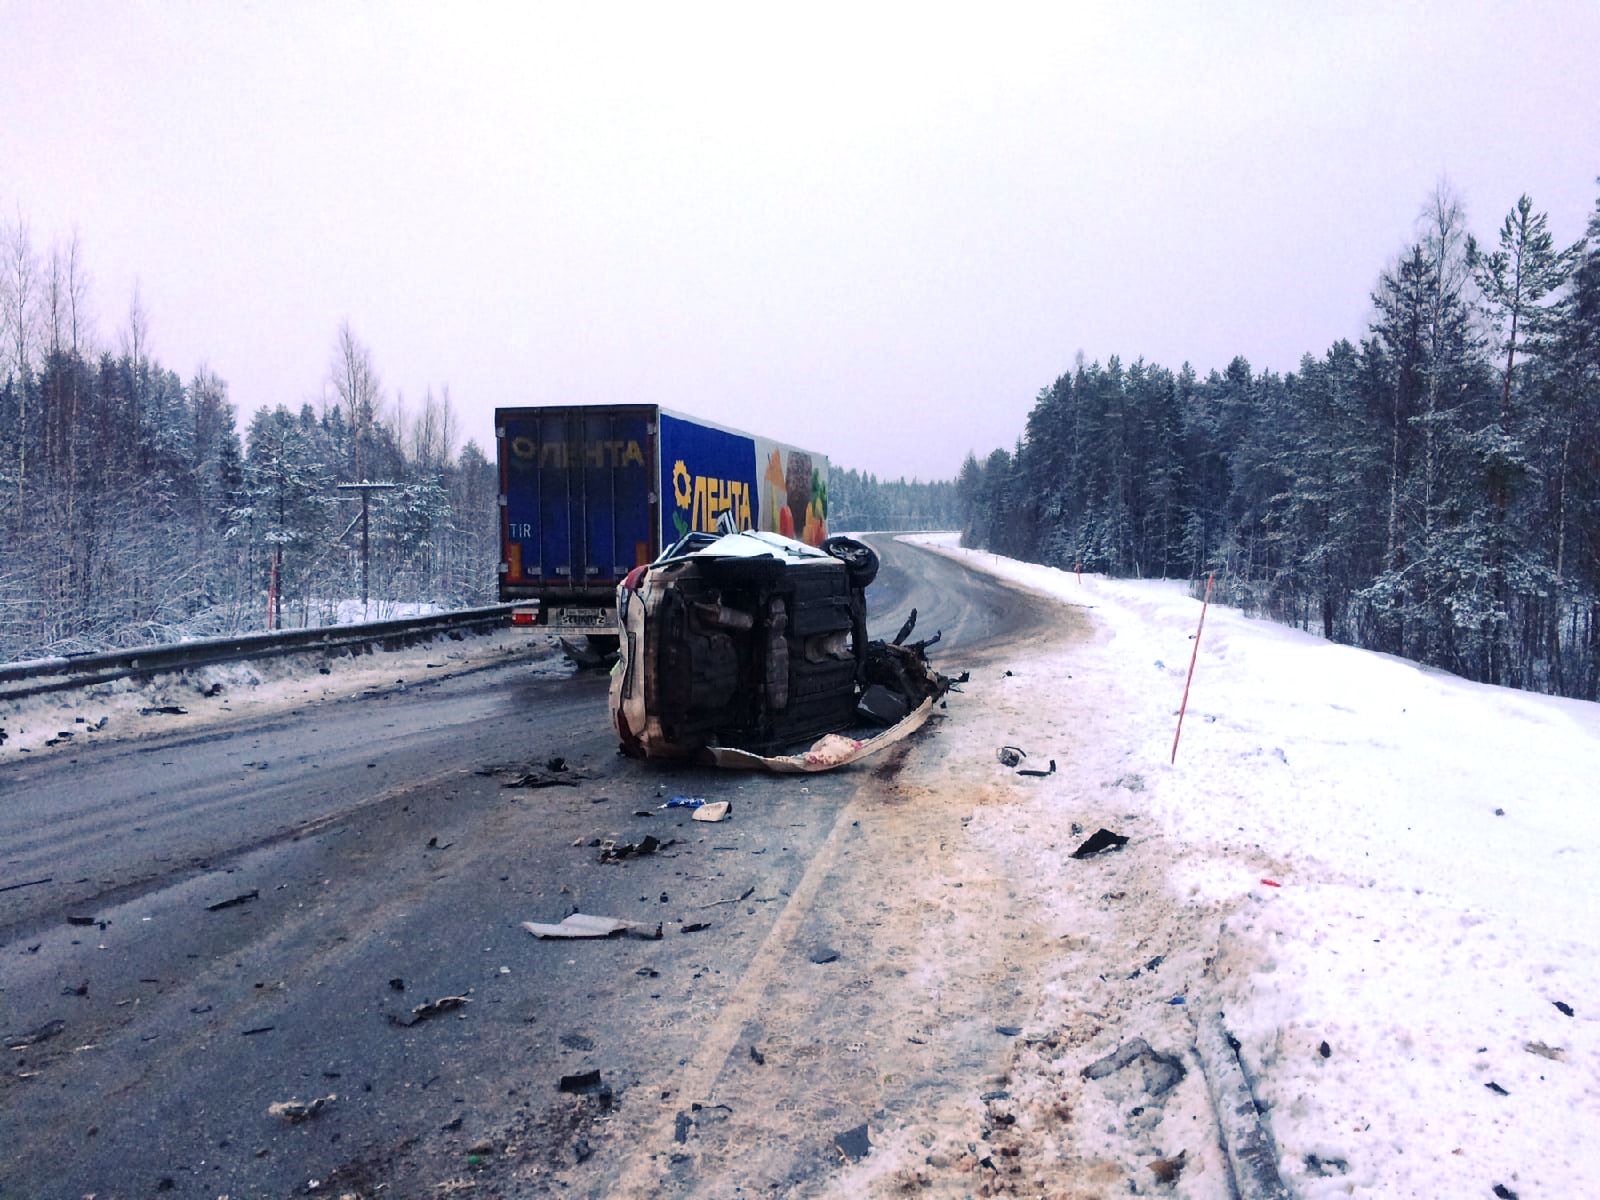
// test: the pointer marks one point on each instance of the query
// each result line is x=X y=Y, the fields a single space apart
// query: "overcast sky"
x=872 y=231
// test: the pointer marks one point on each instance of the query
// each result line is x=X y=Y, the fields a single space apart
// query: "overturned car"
x=740 y=646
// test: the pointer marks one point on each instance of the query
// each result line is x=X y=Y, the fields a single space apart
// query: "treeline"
x=132 y=512
x=859 y=501
x=1433 y=492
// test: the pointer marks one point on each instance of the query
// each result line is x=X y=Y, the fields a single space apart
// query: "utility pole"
x=366 y=489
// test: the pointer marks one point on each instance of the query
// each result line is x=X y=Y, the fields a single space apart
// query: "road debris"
x=432 y=1008
x=1010 y=756
x=581 y=925
x=1554 y=1053
x=695 y=927
x=84 y=921
x=717 y=810
x=879 y=706
x=1160 y=1073
x=256 y=1030
x=33 y=1037
x=757 y=1057
x=1564 y=1008
x=397 y=984
x=1167 y=1170
x=296 y=1111
x=614 y=851
x=683 y=802
x=244 y=898
x=853 y=1144
x=586 y=1083
x=1037 y=774
x=1099 y=842
x=824 y=954
x=163 y=710
x=12 y=887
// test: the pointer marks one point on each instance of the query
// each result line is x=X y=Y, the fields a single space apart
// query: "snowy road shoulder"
x=1382 y=875
x=67 y=721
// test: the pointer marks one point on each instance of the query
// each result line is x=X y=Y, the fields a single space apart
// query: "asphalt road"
x=385 y=870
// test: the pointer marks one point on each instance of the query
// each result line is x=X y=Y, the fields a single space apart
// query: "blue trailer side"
x=589 y=493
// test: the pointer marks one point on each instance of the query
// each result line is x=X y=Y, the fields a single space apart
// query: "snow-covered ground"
x=1384 y=877
x=61 y=722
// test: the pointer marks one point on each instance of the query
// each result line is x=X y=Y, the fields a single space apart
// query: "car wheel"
x=860 y=559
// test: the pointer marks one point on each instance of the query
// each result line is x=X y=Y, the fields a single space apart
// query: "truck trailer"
x=589 y=493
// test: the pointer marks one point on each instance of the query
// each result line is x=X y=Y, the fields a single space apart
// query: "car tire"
x=860 y=559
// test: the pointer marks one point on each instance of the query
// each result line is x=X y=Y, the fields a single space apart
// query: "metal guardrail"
x=39 y=675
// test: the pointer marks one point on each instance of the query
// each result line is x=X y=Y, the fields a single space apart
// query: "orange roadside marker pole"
x=1193 y=655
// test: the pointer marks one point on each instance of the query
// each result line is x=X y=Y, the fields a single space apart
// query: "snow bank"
x=1383 y=875
x=64 y=722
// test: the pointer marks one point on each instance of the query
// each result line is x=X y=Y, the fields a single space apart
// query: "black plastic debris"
x=757 y=1057
x=853 y=1144
x=81 y=921
x=583 y=1082
x=1039 y=774
x=1010 y=756
x=611 y=852
x=1326 y=1167
x=1566 y=1009
x=1099 y=842
x=824 y=954
x=998 y=1094
x=905 y=630
x=881 y=706
x=1008 y=1030
x=43 y=1033
x=695 y=926
x=397 y=984
x=163 y=710
x=243 y=898
x=1325 y=1050
x=256 y=1030
x=1161 y=1072
x=1496 y=1088
x=1503 y=1192
x=12 y=887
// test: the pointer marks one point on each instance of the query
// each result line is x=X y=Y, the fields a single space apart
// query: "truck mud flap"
x=827 y=753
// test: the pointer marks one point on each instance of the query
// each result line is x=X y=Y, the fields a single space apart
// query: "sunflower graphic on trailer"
x=712 y=471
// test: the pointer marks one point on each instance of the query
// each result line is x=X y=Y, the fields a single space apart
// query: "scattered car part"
x=1100 y=841
x=1039 y=774
x=296 y=1111
x=1010 y=756
x=581 y=925
x=717 y=810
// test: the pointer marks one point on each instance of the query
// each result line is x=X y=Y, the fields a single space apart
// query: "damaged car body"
x=740 y=645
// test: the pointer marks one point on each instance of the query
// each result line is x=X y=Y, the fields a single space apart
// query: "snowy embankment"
x=1384 y=876
x=66 y=721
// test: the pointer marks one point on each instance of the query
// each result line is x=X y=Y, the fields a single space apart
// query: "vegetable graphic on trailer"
x=588 y=493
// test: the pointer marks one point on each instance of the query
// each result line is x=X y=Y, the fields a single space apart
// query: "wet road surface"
x=383 y=870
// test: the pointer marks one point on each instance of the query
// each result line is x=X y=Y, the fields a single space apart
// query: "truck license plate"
x=582 y=618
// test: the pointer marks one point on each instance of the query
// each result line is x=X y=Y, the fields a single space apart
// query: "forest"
x=1431 y=492
x=134 y=512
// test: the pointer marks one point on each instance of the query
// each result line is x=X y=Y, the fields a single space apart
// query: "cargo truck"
x=588 y=493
